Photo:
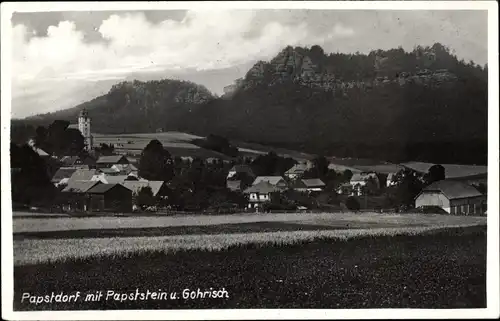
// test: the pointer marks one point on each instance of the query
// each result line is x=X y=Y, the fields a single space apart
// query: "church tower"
x=84 y=127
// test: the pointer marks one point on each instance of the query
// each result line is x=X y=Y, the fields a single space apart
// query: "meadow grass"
x=33 y=224
x=436 y=268
x=32 y=251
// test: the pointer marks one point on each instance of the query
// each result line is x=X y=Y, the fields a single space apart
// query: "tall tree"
x=156 y=162
x=435 y=173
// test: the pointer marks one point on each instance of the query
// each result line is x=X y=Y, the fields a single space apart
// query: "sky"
x=61 y=59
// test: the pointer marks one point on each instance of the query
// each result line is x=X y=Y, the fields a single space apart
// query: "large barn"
x=454 y=197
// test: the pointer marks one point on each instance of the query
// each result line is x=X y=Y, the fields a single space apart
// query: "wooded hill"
x=394 y=105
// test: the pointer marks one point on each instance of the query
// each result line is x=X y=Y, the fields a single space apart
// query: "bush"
x=352 y=204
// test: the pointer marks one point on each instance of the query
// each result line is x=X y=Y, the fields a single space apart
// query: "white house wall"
x=433 y=199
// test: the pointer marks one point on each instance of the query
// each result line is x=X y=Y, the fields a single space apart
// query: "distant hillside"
x=422 y=105
x=132 y=107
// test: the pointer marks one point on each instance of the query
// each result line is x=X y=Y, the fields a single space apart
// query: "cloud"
x=203 y=40
x=61 y=67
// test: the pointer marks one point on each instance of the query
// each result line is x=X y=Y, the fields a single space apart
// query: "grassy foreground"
x=435 y=269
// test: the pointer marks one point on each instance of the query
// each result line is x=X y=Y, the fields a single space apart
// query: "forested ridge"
x=394 y=105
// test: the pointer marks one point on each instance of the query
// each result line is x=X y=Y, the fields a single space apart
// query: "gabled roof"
x=63 y=172
x=110 y=159
x=342 y=168
x=297 y=169
x=262 y=187
x=452 y=189
x=103 y=188
x=80 y=186
x=69 y=160
x=135 y=186
x=313 y=182
x=124 y=167
x=82 y=175
x=242 y=169
x=357 y=177
x=273 y=180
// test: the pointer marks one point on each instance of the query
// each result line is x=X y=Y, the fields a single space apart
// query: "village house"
x=309 y=185
x=298 y=170
x=360 y=180
x=82 y=175
x=158 y=188
x=75 y=195
x=261 y=193
x=62 y=175
x=113 y=179
x=276 y=181
x=109 y=161
x=78 y=161
x=452 y=196
x=125 y=169
x=110 y=198
x=240 y=169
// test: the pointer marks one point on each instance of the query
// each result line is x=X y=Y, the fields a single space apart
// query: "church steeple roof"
x=84 y=113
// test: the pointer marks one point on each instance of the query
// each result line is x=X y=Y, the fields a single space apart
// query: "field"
x=442 y=268
x=45 y=239
x=179 y=144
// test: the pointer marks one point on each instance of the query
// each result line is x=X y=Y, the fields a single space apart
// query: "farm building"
x=78 y=161
x=82 y=175
x=109 y=161
x=62 y=175
x=454 y=197
x=309 y=185
x=260 y=193
x=276 y=181
x=125 y=169
x=359 y=180
x=110 y=198
x=159 y=188
x=113 y=179
x=75 y=194
x=297 y=170
x=240 y=169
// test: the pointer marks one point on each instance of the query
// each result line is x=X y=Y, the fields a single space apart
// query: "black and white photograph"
x=250 y=160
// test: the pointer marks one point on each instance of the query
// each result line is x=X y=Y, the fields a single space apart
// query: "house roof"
x=234 y=185
x=452 y=189
x=110 y=159
x=313 y=182
x=357 y=177
x=63 y=172
x=80 y=186
x=82 y=175
x=381 y=168
x=135 y=186
x=342 y=168
x=273 y=180
x=110 y=170
x=103 y=188
x=69 y=160
x=124 y=167
x=297 y=169
x=262 y=187
x=242 y=169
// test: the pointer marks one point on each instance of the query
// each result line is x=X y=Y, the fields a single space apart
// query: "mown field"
x=416 y=268
x=45 y=239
